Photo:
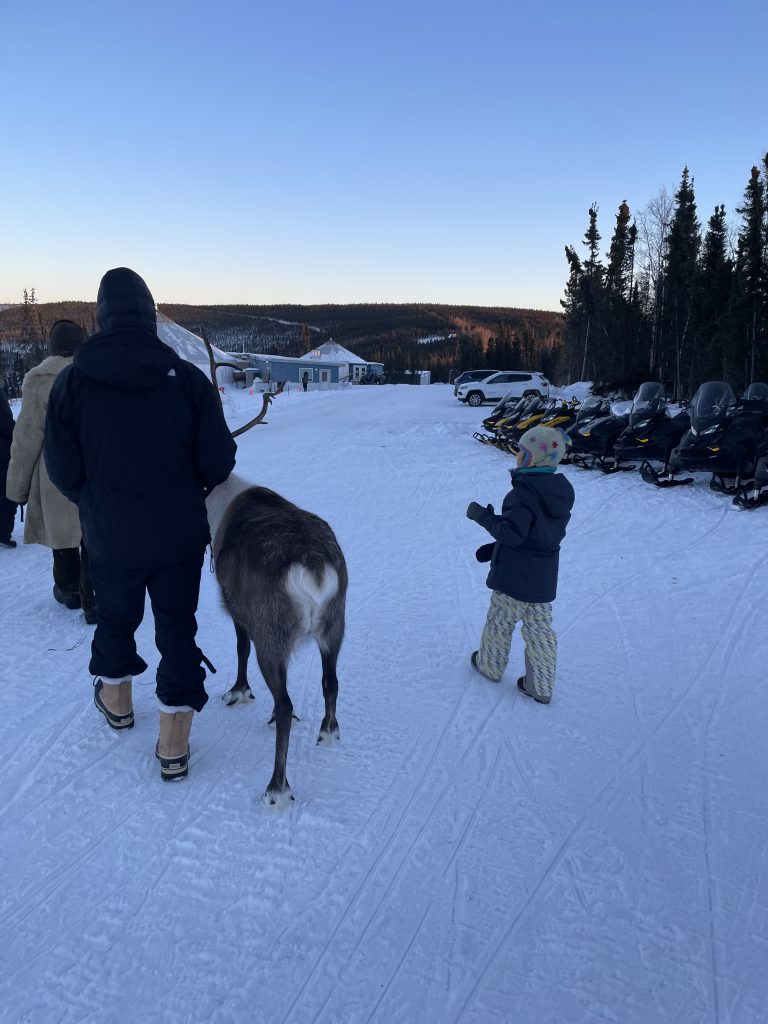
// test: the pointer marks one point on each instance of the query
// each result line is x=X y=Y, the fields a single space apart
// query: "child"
x=524 y=562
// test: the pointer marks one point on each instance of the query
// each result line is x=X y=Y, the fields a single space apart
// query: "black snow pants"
x=7 y=508
x=173 y=592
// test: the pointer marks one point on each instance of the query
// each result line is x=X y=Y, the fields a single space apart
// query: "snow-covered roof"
x=331 y=350
x=187 y=344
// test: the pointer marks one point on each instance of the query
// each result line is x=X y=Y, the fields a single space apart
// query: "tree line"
x=670 y=300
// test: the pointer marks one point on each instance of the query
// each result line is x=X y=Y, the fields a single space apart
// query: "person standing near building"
x=305 y=380
x=51 y=519
x=136 y=438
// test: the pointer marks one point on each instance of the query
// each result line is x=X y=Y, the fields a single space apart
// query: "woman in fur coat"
x=51 y=519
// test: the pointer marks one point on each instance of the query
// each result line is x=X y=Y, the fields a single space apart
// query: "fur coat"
x=50 y=518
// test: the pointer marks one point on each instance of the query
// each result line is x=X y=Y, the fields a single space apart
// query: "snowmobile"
x=755 y=493
x=650 y=435
x=508 y=408
x=517 y=414
x=562 y=415
x=533 y=414
x=724 y=437
x=594 y=434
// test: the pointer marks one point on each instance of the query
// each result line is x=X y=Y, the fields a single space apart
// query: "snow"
x=464 y=855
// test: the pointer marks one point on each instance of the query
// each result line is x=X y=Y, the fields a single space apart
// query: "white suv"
x=499 y=385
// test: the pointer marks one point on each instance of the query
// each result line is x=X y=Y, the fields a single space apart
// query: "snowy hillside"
x=464 y=856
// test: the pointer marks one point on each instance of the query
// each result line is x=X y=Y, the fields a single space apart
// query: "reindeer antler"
x=215 y=364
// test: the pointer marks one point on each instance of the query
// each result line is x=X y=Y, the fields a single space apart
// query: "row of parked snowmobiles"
x=715 y=432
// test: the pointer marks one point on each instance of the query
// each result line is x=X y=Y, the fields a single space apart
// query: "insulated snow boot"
x=172 y=749
x=473 y=661
x=10 y=543
x=522 y=689
x=66 y=576
x=69 y=598
x=115 y=701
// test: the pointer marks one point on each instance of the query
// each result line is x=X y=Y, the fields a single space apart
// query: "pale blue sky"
x=340 y=151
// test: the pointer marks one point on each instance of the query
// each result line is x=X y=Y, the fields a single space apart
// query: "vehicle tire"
x=527 y=394
x=475 y=398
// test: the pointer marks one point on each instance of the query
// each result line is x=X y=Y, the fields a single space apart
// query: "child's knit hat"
x=542 y=446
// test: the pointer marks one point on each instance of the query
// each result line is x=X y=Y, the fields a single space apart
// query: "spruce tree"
x=714 y=287
x=751 y=276
x=680 y=277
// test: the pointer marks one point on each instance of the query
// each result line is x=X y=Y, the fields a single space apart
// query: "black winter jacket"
x=134 y=437
x=526 y=555
x=6 y=435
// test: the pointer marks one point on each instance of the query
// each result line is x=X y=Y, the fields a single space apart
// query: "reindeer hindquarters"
x=241 y=692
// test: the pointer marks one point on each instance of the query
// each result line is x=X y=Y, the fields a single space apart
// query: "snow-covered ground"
x=464 y=855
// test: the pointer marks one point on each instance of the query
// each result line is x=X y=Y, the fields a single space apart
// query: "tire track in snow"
x=391 y=832
x=27 y=906
x=731 y=643
x=556 y=858
x=622 y=584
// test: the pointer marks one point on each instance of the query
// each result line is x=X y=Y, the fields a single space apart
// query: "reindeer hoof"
x=328 y=738
x=278 y=801
x=232 y=697
x=295 y=718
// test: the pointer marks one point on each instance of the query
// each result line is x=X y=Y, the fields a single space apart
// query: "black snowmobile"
x=594 y=434
x=724 y=437
x=525 y=408
x=508 y=411
x=650 y=435
x=754 y=493
x=509 y=433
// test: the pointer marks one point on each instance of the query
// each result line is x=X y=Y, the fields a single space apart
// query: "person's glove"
x=485 y=552
x=478 y=512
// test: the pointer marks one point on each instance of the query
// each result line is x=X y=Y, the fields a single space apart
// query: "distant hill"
x=409 y=336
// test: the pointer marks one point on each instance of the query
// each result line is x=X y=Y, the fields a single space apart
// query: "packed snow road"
x=464 y=855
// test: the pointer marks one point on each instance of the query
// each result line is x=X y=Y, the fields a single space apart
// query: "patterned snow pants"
x=540 y=641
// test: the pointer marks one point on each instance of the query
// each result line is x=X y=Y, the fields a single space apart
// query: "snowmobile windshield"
x=711 y=405
x=649 y=401
x=756 y=392
x=591 y=408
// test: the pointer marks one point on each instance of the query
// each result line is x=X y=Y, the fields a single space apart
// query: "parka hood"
x=124 y=300
x=131 y=360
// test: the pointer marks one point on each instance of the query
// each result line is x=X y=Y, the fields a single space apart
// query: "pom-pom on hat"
x=542 y=446
x=64 y=338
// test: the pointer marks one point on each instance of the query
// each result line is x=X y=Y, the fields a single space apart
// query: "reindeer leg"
x=329 y=728
x=278 y=791
x=241 y=692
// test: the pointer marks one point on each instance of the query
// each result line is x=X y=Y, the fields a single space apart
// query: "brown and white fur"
x=283 y=577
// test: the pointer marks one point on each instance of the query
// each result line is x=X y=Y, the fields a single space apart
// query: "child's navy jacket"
x=528 y=533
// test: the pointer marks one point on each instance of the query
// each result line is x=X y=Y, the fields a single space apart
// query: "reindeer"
x=283 y=577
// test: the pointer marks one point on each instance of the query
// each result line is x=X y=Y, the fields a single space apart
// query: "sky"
x=464 y=855
x=415 y=151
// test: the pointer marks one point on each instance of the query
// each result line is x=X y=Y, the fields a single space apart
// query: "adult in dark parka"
x=7 y=508
x=136 y=439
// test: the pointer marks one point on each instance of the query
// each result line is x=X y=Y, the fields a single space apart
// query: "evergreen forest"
x=671 y=299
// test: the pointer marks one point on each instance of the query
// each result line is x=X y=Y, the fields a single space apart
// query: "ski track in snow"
x=464 y=855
